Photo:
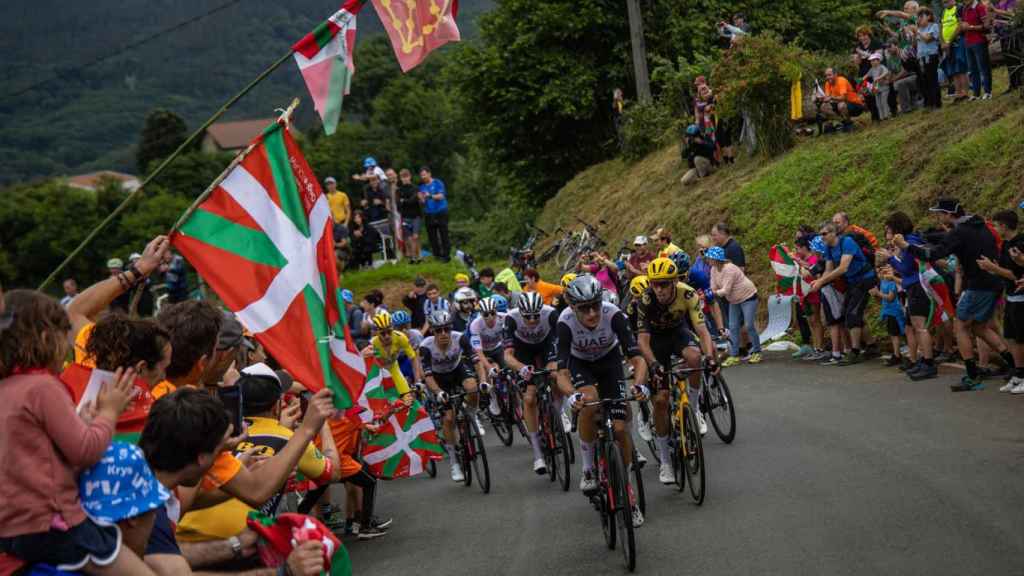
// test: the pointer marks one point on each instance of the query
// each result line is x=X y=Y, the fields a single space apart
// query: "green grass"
x=395 y=280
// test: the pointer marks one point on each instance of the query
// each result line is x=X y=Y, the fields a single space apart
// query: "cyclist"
x=637 y=286
x=591 y=336
x=559 y=302
x=465 y=308
x=500 y=303
x=669 y=314
x=388 y=346
x=402 y=321
x=529 y=344
x=487 y=340
x=446 y=372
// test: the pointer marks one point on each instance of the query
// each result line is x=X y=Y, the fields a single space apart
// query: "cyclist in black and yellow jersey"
x=670 y=320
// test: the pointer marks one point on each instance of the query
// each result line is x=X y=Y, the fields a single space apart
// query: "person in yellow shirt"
x=261 y=404
x=341 y=208
x=664 y=238
x=388 y=345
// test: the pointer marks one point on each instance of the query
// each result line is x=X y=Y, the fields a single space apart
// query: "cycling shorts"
x=536 y=355
x=668 y=343
x=605 y=374
x=496 y=356
x=451 y=382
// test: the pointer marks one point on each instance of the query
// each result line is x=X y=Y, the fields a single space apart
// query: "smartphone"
x=231 y=397
x=304 y=397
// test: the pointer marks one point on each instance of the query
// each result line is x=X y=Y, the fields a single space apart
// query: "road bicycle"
x=575 y=244
x=504 y=422
x=686 y=446
x=524 y=257
x=556 y=444
x=716 y=402
x=612 y=497
x=469 y=445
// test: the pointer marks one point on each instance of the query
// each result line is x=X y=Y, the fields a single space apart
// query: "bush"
x=645 y=128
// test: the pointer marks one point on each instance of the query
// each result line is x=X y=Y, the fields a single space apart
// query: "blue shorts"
x=411 y=226
x=976 y=306
x=955 y=61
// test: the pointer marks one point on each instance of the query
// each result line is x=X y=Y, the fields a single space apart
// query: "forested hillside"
x=90 y=119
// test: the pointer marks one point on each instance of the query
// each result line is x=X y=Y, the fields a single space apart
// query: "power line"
x=125 y=48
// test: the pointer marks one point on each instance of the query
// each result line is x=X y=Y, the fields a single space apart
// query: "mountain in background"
x=90 y=119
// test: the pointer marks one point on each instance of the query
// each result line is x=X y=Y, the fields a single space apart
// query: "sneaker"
x=349 y=528
x=730 y=361
x=893 y=361
x=335 y=520
x=665 y=473
x=984 y=373
x=754 y=358
x=923 y=372
x=850 y=358
x=641 y=460
x=383 y=524
x=371 y=532
x=1009 y=386
x=493 y=406
x=479 y=426
x=1018 y=389
x=540 y=467
x=701 y=422
x=643 y=427
x=803 y=352
x=818 y=356
x=906 y=365
x=832 y=360
x=457 y=475
x=967 y=384
x=638 y=517
x=973 y=98
x=986 y=96
x=566 y=422
x=588 y=483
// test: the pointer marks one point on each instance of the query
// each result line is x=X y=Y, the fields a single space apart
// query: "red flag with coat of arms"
x=263 y=240
x=418 y=27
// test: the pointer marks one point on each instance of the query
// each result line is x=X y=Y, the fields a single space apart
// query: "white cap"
x=876 y=56
x=640 y=240
x=260 y=369
x=330 y=179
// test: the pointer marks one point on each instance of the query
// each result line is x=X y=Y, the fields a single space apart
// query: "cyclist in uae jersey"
x=388 y=346
x=591 y=337
x=669 y=314
x=444 y=356
x=487 y=340
x=529 y=344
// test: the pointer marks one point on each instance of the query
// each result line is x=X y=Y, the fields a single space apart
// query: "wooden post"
x=636 y=36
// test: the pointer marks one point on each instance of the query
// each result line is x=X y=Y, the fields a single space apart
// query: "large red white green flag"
x=325 y=58
x=407 y=438
x=263 y=241
x=418 y=27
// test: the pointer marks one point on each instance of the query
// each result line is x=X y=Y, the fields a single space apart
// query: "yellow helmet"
x=382 y=320
x=567 y=278
x=638 y=285
x=662 y=269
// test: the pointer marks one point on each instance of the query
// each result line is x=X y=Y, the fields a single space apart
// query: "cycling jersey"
x=653 y=316
x=517 y=330
x=488 y=339
x=437 y=361
x=591 y=344
x=461 y=323
x=387 y=357
x=415 y=337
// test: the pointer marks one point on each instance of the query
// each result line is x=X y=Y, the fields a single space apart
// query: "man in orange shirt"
x=841 y=98
x=547 y=290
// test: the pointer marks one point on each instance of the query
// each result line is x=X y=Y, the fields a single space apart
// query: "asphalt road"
x=834 y=471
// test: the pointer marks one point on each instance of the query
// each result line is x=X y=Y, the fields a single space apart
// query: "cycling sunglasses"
x=488 y=314
x=531 y=317
x=589 y=308
x=442 y=329
x=663 y=283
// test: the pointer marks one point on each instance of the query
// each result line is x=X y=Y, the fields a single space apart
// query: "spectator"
x=354 y=314
x=974 y=28
x=892 y=314
x=618 y=107
x=881 y=81
x=905 y=20
x=372 y=304
x=70 y=292
x=176 y=279
x=839 y=99
x=919 y=303
x=846 y=259
x=484 y=285
x=729 y=283
x=733 y=32
x=1011 y=271
x=435 y=198
x=954 y=63
x=721 y=235
x=601 y=267
x=666 y=247
x=699 y=152
x=636 y=265
x=341 y=208
x=928 y=35
x=414 y=300
x=699 y=278
x=969 y=240
x=433 y=303
x=342 y=245
x=46 y=443
x=808 y=307
x=115 y=266
x=862 y=51
x=365 y=241
x=370 y=167
x=902 y=68
x=378 y=198
x=547 y=290
x=501 y=289
x=1003 y=14
x=411 y=211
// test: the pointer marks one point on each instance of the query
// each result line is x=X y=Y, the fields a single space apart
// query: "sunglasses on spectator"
x=531 y=317
x=589 y=308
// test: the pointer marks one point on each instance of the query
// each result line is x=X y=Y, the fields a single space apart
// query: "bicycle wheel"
x=644 y=412
x=638 y=483
x=480 y=466
x=516 y=397
x=619 y=481
x=432 y=468
x=547 y=444
x=465 y=451
x=605 y=496
x=561 y=455
x=500 y=423
x=568 y=249
x=693 y=454
x=549 y=253
x=720 y=407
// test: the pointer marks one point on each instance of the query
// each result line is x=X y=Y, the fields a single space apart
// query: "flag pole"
x=159 y=169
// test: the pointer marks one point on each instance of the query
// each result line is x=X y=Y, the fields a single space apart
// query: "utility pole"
x=636 y=35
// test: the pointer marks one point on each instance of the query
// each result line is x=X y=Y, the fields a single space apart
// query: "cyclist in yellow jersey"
x=669 y=315
x=388 y=345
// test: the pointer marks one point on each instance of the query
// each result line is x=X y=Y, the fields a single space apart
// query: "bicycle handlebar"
x=603 y=401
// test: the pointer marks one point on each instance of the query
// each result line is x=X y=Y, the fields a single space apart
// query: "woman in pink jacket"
x=730 y=283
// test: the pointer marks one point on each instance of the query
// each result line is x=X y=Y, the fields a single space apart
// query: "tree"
x=163 y=132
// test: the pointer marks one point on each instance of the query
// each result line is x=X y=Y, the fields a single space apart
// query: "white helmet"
x=464 y=294
x=488 y=305
x=585 y=288
x=439 y=318
x=530 y=303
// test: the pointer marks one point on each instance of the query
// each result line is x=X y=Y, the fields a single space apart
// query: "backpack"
x=866 y=241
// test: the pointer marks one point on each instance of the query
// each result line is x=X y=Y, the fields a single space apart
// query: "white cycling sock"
x=662 y=443
x=587 y=455
x=451 y=452
x=535 y=444
x=695 y=398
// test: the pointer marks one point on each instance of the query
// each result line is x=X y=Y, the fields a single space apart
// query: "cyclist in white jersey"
x=530 y=344
x=487 y=339
x=592 y=335
x=446 y=369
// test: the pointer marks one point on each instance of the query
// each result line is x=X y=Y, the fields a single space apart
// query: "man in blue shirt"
x=435 y=208
x=846 y=259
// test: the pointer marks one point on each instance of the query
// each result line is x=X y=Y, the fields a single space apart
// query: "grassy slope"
x=974 y=151
x=395 y=280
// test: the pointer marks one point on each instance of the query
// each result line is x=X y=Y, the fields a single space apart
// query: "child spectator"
x=880 y=82
x=892 y=313
x=809 y=307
